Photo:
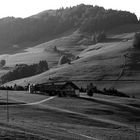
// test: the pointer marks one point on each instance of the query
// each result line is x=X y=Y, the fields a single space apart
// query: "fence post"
x=135 y=131
x=7 y=107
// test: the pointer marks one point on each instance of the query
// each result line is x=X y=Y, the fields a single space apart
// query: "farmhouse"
x=61 y=89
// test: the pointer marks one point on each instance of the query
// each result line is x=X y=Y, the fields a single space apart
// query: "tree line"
x=24 y=70
x=86 y=18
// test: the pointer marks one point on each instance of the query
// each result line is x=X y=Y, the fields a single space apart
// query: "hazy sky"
x=25 y=8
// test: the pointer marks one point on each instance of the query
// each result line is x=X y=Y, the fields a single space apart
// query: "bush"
x=90 y=93
x=91 y=89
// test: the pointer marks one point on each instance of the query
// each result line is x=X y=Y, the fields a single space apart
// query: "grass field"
x=70 y=118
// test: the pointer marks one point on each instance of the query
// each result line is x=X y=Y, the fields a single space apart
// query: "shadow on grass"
x=98 y=111
x=10 y=103
x=109 y=40
x=123 y=107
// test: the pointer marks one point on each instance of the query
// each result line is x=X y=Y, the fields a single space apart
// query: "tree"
x=63 y=60
x=23 y=70
x=90 y=89
x=136 y=41
x=55 y=49
x=2 y=63
x=42 y=66
x=98 y=37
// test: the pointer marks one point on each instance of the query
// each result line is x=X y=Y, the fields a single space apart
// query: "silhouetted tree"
x=2 y=63
x=23 y=70
x=63 y=60
x=136 y=41
x=55 y=49
x=86 y=17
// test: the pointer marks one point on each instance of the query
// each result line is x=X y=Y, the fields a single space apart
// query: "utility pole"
x=135 y=131
x=7 y=107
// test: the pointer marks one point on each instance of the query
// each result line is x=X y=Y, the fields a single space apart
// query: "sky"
x=25 y=8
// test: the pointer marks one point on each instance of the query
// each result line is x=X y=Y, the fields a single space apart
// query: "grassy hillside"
x=65 y=43
x=45 y=51
x=102 y=61
x=69 y=42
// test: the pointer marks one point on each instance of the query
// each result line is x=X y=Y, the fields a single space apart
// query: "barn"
x=60 y=89
x=70 y=89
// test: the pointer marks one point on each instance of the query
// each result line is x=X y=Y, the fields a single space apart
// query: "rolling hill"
x=18 y=34
x=101 y=61
x=108 y=62
x=93 y=61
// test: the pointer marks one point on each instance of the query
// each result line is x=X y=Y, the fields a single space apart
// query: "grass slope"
x=43 y=51
x=103 y=61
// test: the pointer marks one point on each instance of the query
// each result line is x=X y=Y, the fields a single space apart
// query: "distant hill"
x=17 y=34
x=45 y=14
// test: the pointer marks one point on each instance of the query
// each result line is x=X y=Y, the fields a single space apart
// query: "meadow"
x=100 y=118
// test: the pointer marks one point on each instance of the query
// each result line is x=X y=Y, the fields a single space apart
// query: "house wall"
x=69 y=90
x=66 y=89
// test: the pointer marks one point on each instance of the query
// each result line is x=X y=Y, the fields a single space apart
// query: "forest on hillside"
x=86 y=18
x=24 y=70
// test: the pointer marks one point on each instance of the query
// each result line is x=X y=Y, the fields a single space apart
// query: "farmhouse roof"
x=53 y=86
x=71 y=84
